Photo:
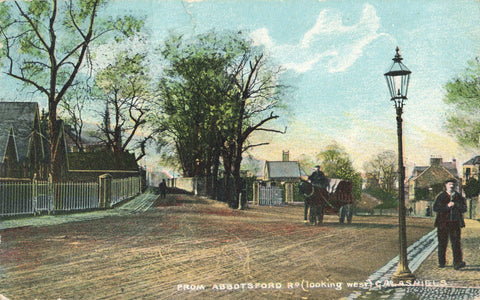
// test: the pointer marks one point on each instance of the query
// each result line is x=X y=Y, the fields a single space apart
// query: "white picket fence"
x=75 y=195
x=270 y=196
x=20 y=198
x=125 y=188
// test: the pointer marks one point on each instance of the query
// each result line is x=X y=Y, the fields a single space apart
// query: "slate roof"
x=451 y=166
x=417 y=170
x=473 y=161
x=20 y=116
x=282 y=170
x=433 y=175
x=102 y=160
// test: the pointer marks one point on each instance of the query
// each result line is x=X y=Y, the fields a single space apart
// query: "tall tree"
x=124 y=86
x=336 y=163
x=73 y=110
x=257 y=96
x=382 y=170
x=463 y=97
x=193 y=103
x=46 y=43
x=217 y=90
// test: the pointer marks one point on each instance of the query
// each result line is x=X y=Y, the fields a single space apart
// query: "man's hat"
x=317 y=166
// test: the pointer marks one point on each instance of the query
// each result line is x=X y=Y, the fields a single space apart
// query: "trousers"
x=450 y=231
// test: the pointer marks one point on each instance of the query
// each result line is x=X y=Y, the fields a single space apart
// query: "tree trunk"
x=237 y=163
x=216 y=165
x=55 y=164
x=227 y=163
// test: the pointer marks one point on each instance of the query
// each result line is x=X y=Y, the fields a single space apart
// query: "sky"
x=335 y=54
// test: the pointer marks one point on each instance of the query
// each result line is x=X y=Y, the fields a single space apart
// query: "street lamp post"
x=398 y=78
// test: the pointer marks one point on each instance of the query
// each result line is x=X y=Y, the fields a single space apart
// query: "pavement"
x=138 y=204
x=431 y=281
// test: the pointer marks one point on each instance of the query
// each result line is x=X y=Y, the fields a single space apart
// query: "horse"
x=315 y=199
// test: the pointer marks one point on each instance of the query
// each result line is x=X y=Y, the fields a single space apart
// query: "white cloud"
x=262 y=37
x=326 y=24
x=306 y=66
x=329 y=43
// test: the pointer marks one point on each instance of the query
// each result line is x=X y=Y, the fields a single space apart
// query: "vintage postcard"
x=229 y=149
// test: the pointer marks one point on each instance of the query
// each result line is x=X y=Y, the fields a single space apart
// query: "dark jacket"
x=449 y=214
x=162 y=187
x=318 y=178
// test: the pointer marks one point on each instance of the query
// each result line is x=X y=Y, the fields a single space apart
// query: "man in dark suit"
x=318 y=178
x=450 y=206
x=162 y=187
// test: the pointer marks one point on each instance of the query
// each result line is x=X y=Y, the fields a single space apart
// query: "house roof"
x=20 y=116
x=102 y=160
x=280 y=170
x=433 y=175
x=473 y=161
x=451 y=166
x=417 y=170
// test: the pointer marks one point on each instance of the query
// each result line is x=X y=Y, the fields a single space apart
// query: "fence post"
x=256 y=193
x=139 y=185
x=105 y=191
x=34 y=194
x=288 y=192
x=51 y=194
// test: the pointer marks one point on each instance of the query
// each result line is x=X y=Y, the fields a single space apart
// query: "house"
x=471 y=169
x=278 y=173
x=427 y=181
x=282 y=171
x=25 y=150
x=22 y=145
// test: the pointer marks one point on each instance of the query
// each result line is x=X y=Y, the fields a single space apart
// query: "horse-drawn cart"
x=336 y=198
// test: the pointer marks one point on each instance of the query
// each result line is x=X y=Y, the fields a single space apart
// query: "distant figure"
x=450 y=207
x=162 y=187
x=428 y=213
x=410 y=210
x=318 y=178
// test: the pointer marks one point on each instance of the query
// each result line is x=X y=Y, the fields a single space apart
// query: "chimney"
x=435 y=161
x=285 y=155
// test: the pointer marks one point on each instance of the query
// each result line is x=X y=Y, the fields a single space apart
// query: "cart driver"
x=318 y=178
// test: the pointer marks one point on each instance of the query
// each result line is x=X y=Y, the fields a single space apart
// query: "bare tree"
x=257 y=95
x=382 y=170
x=45 y=44
x=124 y=87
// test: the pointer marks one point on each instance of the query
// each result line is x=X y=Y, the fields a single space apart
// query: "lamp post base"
x=403 y=275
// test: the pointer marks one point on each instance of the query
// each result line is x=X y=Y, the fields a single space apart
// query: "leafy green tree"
x=46 y=44
x=307 y=162
x=336 y=163
x=217 y=90
x=463 y=97
x=192 y=94
x=472 y=188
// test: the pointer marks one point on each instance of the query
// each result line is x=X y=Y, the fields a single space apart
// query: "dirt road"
x=191 y=248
